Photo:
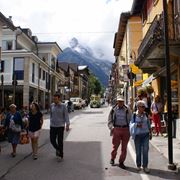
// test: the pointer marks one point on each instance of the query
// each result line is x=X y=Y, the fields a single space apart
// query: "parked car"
x=77 y=102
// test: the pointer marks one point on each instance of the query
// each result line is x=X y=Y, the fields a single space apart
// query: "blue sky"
x=92 y=22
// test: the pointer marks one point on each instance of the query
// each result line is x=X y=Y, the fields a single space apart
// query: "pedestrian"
x=35 y=124
x=14 y=125
x=59 y=120
x=141 y=136
x=156 y=110
x=118 y=123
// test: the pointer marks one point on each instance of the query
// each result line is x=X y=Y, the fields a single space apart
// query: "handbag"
x=14 y=127
x=24 y=138
x=132 y=129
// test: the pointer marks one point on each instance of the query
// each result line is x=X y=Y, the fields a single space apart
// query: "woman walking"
x=14 y=125
x=156 y=110
x=35 y=124
x=142 y=133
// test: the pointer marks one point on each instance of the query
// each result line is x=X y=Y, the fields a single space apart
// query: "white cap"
x=120 y=99
x=12 y=105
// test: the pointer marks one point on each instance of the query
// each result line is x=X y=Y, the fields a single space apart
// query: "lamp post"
x=171 y=165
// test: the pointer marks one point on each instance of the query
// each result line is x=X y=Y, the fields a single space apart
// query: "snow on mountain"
x=84 y=56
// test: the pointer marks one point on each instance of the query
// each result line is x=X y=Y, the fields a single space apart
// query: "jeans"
x=56 y=138
x=142 y=148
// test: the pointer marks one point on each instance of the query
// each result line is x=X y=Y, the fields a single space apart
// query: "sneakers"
x=146 y=170
x=35 y=157
x=138 y=168
x=122 y=166
x=112 y=161
x=59 y=158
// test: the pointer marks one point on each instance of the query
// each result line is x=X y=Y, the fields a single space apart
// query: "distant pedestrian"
x=35 y=125
x=59 y=120
x=156 y=110
x=14 y=125
x=118 y=123
x=141 y=135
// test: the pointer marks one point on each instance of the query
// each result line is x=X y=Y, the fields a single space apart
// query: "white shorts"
x=35 y=134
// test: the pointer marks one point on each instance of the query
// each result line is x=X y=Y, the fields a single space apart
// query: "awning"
x=135 y=69
x=138 y=83
x=148 y=80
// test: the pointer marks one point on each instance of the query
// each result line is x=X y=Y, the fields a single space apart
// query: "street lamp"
x=171 y=165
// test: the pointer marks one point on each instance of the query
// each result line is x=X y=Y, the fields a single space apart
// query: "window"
x=6 y=45
x=33 y=72
x=39 y=73
x=2 y=66
x=44 y=75
x=19 y=68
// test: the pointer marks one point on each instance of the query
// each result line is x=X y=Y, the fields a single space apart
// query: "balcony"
x=151 y=51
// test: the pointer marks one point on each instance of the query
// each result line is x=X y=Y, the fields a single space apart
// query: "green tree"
x=95 y=86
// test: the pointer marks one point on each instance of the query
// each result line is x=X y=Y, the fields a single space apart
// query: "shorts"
x=35 y=134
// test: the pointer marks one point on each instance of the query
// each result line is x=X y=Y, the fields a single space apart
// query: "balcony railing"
x=153 y=35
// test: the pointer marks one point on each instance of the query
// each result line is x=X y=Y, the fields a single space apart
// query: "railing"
x=154 y=34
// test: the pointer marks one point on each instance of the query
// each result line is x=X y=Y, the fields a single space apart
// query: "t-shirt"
x=35 y=121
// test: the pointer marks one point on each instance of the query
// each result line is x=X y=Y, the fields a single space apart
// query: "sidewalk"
x=161 y=144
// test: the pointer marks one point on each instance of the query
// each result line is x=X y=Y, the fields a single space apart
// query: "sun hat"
x=120 y=98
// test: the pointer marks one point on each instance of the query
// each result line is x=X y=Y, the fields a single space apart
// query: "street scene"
x=90 y=90
x=87 y=149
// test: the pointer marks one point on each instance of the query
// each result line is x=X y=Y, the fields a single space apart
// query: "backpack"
x=134 y=117
x=148 y=121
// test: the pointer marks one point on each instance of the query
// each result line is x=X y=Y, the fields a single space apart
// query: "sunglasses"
x=142 y=106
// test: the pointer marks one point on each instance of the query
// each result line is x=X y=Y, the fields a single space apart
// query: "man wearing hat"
x=118 y=123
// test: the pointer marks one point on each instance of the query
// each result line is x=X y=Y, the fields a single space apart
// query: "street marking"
x=133 y=155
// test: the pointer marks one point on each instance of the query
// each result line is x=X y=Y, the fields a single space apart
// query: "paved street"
x=87 y=150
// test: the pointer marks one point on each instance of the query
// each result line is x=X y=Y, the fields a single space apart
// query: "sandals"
x=13 y=154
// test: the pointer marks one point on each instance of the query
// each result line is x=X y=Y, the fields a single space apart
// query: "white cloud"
x=92 y=22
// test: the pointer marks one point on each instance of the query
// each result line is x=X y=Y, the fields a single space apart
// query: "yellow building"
x=151 y=52
x=126 y=43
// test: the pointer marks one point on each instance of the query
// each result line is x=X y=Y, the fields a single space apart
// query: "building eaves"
x=7 y=22
x=137 y=6
x=51 y=43
x=118 y=40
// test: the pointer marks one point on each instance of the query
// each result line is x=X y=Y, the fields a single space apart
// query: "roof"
x=64 y=66
x=119 y=36
x=73 y=66
x=7 y=22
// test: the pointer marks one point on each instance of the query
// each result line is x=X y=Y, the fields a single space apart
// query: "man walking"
x=59 y=120
x=118 y=123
